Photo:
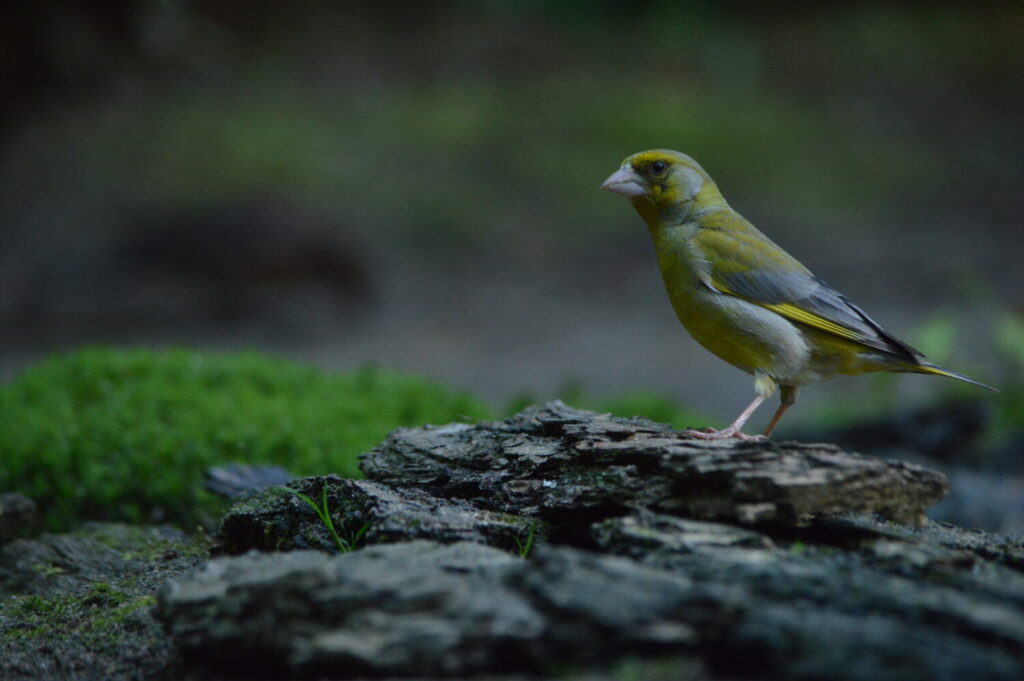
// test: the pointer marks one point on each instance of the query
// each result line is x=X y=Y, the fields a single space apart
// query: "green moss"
x=48 y=569
x=127 y=434
x=1008 y=409
x=147 y=543
x=94 y=615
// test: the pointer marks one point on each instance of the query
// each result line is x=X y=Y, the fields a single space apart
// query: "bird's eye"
x=658 y=166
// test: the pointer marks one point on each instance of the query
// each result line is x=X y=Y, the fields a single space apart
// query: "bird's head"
x=664 y=186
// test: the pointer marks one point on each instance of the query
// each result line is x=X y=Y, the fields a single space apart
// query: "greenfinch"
x=744 y=298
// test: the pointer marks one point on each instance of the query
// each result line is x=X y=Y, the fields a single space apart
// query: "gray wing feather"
x=812 y=294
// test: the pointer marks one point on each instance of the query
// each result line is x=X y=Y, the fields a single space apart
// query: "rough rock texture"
x=435 y=609
x=236 y=480
x=77 y=607
x=280 y=520
x=899 y=610
x=851 y=597
x=986 y=480
x=692 y=560
x=555 y=461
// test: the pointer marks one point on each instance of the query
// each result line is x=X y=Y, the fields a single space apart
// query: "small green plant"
x=523 y=546
x=48 y=569
x=323 y=512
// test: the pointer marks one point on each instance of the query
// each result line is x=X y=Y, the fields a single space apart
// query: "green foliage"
x=1009 y=407
x=1009 y=332
x=937 y=337
x=524 y=546
x=127 y=434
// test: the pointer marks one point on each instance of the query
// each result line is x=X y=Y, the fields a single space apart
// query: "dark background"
x=417 y=186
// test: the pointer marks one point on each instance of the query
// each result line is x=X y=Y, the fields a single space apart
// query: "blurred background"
x=346 y=184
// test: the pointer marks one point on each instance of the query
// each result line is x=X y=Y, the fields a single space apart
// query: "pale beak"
x=625 y=182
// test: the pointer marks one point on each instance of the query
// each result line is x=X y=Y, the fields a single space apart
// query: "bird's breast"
x=746 y=335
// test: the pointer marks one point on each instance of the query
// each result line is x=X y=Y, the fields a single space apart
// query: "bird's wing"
x=749 y=266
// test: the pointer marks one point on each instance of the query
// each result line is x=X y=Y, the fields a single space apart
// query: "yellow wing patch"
x=795 y=312
x=810 y=319
x=798 y=314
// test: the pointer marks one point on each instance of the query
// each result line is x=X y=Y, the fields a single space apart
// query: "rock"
x=67 y=563
x=723 y=560
x=427 y=608
x=18 y=516
x=643 y=532
x=991 y=499
x=236 y=480
x=986 y=480
x=557 y=462
x=881 y=601
x=362 y=512
x=740 y=609
x=77 y=606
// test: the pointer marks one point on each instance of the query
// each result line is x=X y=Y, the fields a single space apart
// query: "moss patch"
x=95 y=616
x=126 y=434
x=91 y=617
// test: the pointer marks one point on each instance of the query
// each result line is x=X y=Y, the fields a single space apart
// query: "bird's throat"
x=648 y=210
x=658 y=215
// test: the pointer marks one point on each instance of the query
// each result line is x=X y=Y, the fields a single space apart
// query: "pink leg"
x=788 y=395
x=733 y=431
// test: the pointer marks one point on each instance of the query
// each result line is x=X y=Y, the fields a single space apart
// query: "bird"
x=747 y=300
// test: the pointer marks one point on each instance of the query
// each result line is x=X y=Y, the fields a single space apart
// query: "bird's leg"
x=764 y=385
x=788 y=395
x=733 y=431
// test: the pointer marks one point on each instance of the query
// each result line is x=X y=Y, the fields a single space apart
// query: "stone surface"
x=740 y=606
x=723 y=560
x=368 y=512
x=559 y=544
x=77 y=606
x=642 y=532
x=557 y=462
x=426 y=608
x=236 y=480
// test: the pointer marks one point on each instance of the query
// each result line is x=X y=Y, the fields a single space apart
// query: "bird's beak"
x=624 y=182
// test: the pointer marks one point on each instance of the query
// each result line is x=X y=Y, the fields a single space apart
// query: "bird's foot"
x=730 y=433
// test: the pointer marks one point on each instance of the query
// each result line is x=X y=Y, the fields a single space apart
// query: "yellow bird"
x=744 y=298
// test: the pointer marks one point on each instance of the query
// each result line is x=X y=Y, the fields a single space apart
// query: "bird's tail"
x=929 y=368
